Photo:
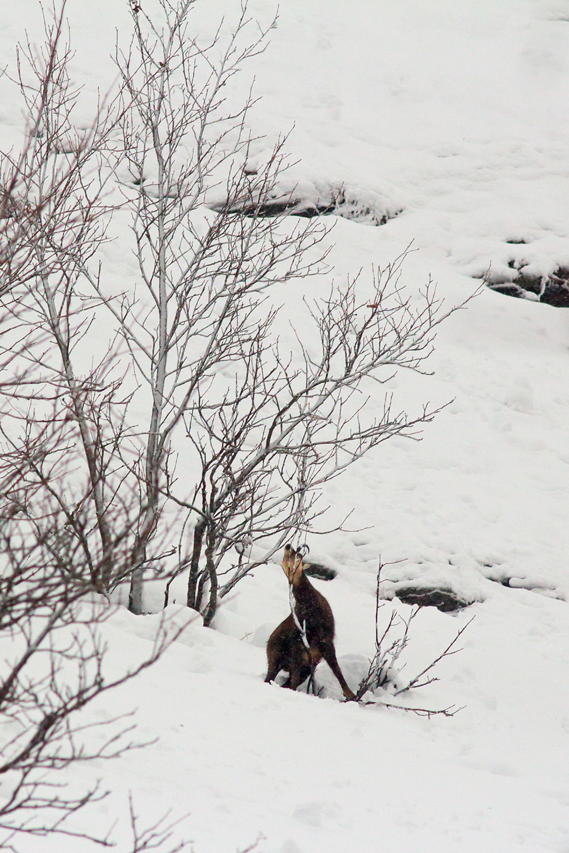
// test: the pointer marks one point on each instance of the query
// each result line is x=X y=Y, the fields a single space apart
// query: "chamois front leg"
x=299 y=668
x=304 y=666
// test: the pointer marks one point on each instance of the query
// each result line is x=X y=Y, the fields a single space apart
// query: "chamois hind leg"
x=297 y=677
x=329 y=655
x=273 y=671
x=275 y=660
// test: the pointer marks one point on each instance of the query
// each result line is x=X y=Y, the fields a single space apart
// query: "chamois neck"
x=300 y=580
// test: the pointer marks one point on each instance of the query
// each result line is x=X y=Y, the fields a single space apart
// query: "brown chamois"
x=307 y=635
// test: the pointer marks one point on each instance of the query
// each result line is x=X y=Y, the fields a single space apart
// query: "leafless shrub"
x=55 y=666
x=383 y=673
x=155 y=836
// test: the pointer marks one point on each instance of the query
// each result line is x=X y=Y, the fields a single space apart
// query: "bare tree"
x=71 y=513
x=265 y=428
x=65 y=402
x=268 y=443
x=82 y=489
x=56 y=403
x=203 y=273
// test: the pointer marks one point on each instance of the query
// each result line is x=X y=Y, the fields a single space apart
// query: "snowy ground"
x=457 y=115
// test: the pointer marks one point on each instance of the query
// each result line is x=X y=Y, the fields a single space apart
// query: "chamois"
x=307 y=635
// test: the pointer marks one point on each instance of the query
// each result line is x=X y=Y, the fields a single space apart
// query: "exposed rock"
x=552 y=289
x=317 y=570
x=335 y=200
x=443 y=599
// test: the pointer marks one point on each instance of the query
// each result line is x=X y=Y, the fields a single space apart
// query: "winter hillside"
x=442 y=128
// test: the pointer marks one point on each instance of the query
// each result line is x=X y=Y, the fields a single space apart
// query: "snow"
x=457 y=115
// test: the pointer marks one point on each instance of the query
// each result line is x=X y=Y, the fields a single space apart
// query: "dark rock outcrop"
x=443 y=599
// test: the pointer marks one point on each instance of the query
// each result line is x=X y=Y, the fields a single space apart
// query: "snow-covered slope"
x=455 y=115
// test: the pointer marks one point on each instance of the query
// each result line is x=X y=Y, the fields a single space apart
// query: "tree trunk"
x=212 y=575
x=192 y=597
x=135 y=594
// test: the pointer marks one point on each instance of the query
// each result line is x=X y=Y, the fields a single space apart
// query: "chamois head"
x=292 y=564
